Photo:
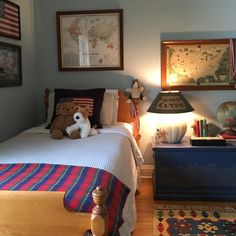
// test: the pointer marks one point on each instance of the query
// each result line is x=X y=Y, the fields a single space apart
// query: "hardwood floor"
x=145 y=204
x=145 y=207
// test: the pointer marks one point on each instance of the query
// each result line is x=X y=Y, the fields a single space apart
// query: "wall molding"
x=146 y=171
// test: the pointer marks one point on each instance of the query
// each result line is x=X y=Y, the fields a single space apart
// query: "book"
x=204 y=128
x=226 y=136
x=207 y=141
x=200 y=128
x=196 y=128
x=230 y=138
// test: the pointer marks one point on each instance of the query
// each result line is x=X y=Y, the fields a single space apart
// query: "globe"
x=226 y=114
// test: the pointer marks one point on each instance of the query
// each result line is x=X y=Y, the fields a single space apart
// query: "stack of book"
x=200 y=128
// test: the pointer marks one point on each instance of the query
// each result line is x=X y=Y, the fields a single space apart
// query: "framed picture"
x=10 y=65
x=90 y=40
x=10 y=20
x=196 y=65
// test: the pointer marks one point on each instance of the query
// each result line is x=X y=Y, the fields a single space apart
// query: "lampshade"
x=170 y=102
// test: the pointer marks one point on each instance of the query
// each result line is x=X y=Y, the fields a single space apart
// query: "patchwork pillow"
x=109 y=107
x=91 y=97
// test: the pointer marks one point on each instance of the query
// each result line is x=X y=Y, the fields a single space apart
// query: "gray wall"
x=46 y=50
x=146 y=23
x=17 y=104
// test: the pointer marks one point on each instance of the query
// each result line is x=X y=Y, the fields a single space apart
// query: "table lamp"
x=171 y=102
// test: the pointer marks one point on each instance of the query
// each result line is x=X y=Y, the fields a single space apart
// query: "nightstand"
x=186 y=172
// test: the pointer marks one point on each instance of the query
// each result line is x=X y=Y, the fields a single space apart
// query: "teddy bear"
x=82 y=123
x=64 y=118
x=136 y=91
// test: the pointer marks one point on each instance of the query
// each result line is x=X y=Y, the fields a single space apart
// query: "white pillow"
x=108 y=115
x=50 y=108
x=115 y=107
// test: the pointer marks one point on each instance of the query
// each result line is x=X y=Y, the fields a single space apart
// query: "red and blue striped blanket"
x=78 y=183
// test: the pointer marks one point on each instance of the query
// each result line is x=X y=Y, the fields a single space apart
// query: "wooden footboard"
x=34 y=213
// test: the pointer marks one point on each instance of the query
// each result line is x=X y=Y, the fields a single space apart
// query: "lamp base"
x=173 y=133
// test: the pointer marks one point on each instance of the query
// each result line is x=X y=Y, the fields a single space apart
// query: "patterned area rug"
x=194 y=221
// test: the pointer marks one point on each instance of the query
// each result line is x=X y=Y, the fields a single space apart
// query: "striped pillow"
x=85 y=102
x=91 y=97
x=81 y=102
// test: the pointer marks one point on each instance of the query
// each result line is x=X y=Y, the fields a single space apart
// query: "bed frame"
x=33 y=213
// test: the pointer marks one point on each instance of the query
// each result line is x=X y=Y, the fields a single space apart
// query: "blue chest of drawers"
x=186 y=172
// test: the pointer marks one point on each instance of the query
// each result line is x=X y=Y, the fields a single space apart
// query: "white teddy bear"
x=82 y=124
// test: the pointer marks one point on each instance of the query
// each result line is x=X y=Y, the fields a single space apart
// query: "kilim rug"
x=194 y=221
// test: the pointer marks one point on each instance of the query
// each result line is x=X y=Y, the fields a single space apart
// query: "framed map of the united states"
x=196 y=64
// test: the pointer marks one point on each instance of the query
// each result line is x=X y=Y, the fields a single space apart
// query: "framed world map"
x=196 y=65
x=90 y=40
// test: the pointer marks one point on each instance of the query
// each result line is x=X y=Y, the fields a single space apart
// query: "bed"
x=109 y=159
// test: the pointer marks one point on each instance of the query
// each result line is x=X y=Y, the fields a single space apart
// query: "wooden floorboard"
x=145 y=207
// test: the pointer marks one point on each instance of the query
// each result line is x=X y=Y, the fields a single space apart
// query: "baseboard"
x=146 y=171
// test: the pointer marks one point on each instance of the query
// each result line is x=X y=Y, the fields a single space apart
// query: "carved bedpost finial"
x=99 y=217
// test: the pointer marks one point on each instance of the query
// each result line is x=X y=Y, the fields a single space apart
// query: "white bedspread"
x=113 y=149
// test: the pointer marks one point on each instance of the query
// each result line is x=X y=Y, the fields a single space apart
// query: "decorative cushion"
x=81 y=102
x=82 y=96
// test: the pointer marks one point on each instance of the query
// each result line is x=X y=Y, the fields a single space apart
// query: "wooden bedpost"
x=99 y=217
x=46 y=103
x=136 y=124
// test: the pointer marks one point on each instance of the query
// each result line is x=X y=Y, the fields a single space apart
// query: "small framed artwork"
x=10 y=20
x=10 y=65
x=90 y=40
x=196 y=65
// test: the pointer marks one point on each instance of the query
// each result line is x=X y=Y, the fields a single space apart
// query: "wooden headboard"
x=124 y=112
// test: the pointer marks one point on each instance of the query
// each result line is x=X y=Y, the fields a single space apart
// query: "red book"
x=196 y=128
x=225 y=136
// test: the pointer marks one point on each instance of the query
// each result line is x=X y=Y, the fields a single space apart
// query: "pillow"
x=94 y=95
x=50 y=108
x=115 y=107
x=81 y=102
x=109 y=109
